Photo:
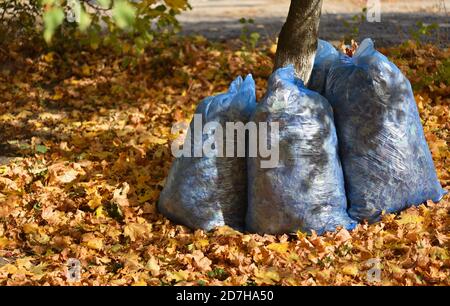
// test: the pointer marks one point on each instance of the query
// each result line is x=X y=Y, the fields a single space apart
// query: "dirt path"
x=218 y=19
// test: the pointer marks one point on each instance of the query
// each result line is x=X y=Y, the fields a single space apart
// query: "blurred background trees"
x=87 y=20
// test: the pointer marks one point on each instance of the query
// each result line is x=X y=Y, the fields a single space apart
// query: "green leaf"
x=254 y=38
x=85 y=20
x=161 y=8
x=94 y=39
x=41 y=149
x=37 y=206
x=104 y=3
x=124 y=14
x=52 y=20
x=47 y=2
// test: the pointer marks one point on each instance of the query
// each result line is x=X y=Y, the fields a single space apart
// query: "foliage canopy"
x=86 y=20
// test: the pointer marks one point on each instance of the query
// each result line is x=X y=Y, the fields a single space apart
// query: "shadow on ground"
x=393 y=29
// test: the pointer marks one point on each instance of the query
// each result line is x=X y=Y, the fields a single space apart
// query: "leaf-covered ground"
x=84 y=151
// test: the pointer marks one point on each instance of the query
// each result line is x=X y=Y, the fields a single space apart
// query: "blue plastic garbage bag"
x=326 y=56
x=209 y=191
x=305 y=191
x=386 y=161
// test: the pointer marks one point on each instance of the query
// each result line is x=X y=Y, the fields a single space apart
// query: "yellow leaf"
x=301 y=235
x=152 y=266
x=24 y=114
x=92 y=242
x=293 y=257
x=96 y=244
x=39 y=269
x=267 y=277
x=50 y=116
x=313 y=258
x=49 y=57
x=9 y=269
x=396 y=269
x=57 y=96
x=100 y=212
x=3 y=242
x=438 y=148
x=226 y=231
x=86 y=70
x=176 y=4
x=178 y=276
x=136 y=230
x=291 y=281
x=201 y=243
x=24 y=263
x=279 y=247
x=147 y=196
x=7 y=117
x=149 y=139
x=409 y=219
x=95 y=199
x=95 y=202
x=140 y=283
x=30 y=228
x=126 y=47
x=273 y=48
x=350 y=269
x=439 y=253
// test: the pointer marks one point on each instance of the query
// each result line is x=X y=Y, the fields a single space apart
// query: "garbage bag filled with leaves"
x=305 y=191
x=386 y=160
x=209 y=191
x=326 y=55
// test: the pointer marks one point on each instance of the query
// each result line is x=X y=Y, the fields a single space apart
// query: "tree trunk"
x=297 y=43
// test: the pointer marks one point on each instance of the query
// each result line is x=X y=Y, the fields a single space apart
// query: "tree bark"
x=297 y=42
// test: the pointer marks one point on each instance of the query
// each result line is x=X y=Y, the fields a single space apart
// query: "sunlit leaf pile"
x=85 y=149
